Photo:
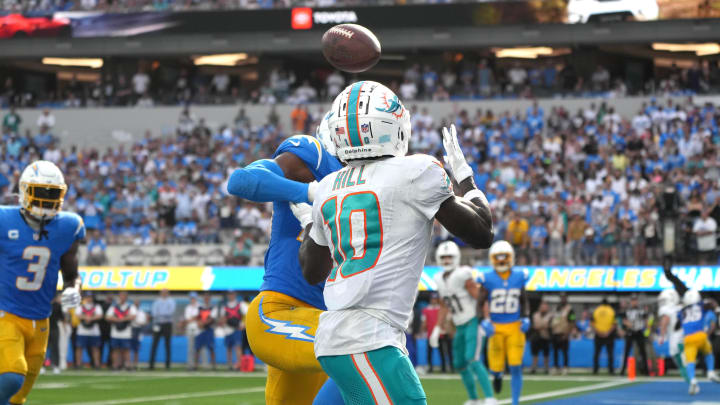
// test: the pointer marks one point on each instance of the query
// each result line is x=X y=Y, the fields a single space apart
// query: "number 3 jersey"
x=504 y=294
x=29 y=265
x=451 y=287
x=376 y=218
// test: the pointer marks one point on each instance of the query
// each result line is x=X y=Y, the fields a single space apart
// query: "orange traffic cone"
x=631 y=368
x=661 y=367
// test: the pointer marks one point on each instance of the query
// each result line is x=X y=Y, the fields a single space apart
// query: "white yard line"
x=567 y=391
x=587 y=378
x=174 y=396
x=164 y=374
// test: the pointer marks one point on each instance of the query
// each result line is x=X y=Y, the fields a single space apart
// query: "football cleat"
x=694 y=387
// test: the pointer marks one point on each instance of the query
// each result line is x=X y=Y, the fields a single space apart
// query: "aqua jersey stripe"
x=352 y=116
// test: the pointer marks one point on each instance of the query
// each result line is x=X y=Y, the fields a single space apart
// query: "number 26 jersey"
x=504 y=294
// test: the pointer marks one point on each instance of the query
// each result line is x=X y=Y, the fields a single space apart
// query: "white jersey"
x=94 y=310
x=451 y=287
x=121 y=330
x=376 y=218
x=674 y=336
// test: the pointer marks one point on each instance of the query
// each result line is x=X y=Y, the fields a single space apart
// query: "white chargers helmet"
x=691 y=297
x=668 y=297
x=323 y=134
x=368 y=120
x=502 y=256
x=42 y=189
x=447 y=255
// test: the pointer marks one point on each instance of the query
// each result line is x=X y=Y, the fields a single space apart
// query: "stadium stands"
x=589 y=182
x=471 y=78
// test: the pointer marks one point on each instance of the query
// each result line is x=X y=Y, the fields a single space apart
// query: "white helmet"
x=668 y=297
x=448 y=249
x=368 y=120
x=323 y=134
x=42 y=189
x=691 y=297
x=502 y=256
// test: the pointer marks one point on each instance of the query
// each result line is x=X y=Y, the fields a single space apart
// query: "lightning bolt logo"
x=285 y=328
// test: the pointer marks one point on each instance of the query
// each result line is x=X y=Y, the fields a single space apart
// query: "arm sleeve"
x=432 y=188
x=264 y=181
x=317 y=233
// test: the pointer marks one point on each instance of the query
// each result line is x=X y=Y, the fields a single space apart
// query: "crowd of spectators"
x=467 y=80
x=583 y=187
x=589 y=187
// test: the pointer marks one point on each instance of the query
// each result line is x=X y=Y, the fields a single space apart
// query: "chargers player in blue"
x=37 y=241
x=692 y=318
x=282 y=320
x=506 y=316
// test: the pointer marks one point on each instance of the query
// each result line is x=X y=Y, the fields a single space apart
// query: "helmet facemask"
x=501 y=262
x=42 y=200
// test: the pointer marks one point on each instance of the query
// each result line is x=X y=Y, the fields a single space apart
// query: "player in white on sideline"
x=459 y=292
x=376 y=217
x=668 y=309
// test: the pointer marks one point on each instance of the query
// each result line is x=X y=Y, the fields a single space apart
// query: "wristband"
x=475 y=193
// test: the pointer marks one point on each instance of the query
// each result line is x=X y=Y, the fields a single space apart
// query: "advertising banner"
x=87 y=24
x=543 y=279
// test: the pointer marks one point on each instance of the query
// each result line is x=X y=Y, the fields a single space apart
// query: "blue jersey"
x=692 y=319
x=28 y=267
x=282 y=268
x=504 y=294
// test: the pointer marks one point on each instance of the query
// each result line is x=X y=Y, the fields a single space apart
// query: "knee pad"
x=10 y=384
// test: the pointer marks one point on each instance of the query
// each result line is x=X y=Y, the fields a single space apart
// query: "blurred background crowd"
x=456 y=78
x=566 y=187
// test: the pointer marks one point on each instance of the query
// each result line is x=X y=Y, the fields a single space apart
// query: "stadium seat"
x=189 y=257
x=215 y=257
x=162 y=257
x=134 y=257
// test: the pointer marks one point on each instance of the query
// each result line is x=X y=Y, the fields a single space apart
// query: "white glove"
x=70 y=298
x=454 y=157
x=312 y=187
x=303 y=213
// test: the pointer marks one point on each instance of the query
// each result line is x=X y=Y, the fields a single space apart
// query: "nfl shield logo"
x=365 y=128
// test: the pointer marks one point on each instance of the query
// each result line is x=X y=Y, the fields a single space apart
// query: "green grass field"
x=180 y=388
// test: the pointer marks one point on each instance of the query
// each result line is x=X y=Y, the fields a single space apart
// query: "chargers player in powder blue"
x=281 y=321
x=37 y=241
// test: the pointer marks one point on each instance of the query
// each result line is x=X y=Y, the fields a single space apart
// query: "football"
x=351 y=48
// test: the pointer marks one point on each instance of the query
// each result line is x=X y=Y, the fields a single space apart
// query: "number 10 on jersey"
x=356 y=232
